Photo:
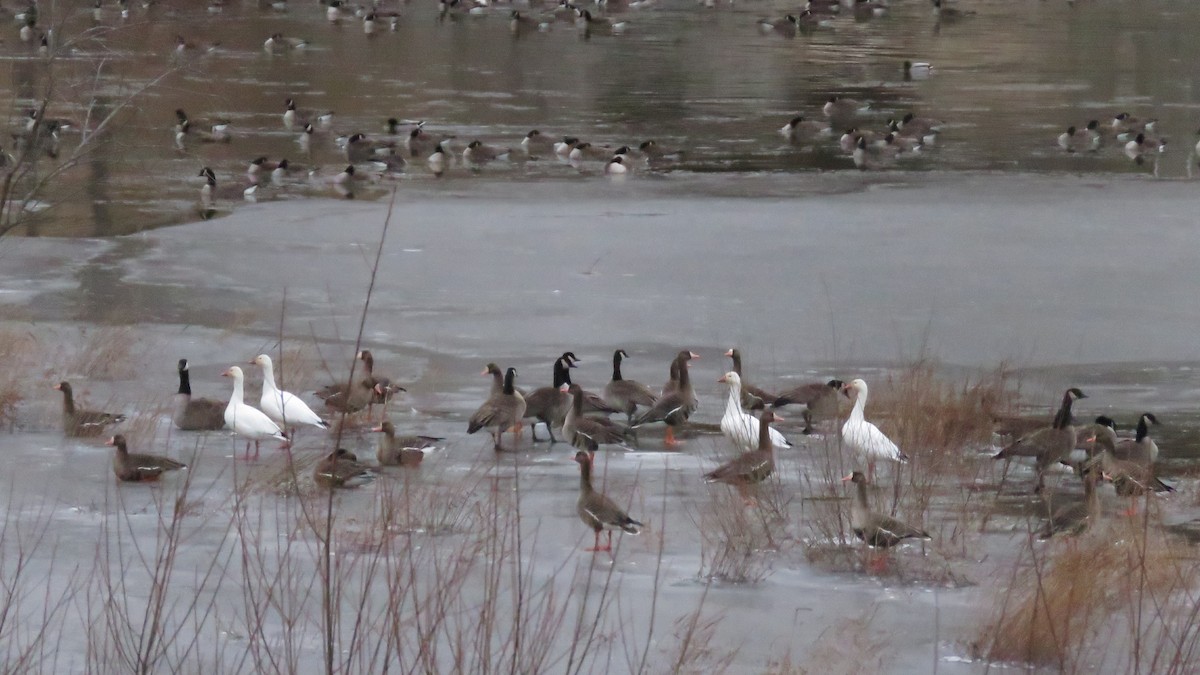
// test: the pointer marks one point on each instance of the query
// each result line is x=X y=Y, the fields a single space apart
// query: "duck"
x=536 y=143
x=596 y=510
x=247 y=421
x=799 y=128
x=876 y=529
x=820 y=399
x=1074 y=519
x=738 y=426
x=83 y=423
x=1049 y=445
x=676 y=407
x=752 y=466
x=500 y=411
x=588 y=433
x=341 y=469
x=549 y=405
x=590 y=25
x=137 y=467
x=282 y=407
x=840 y=106
x=917 y=70
x=195 y=414
x=294 y=118
x=393 y=450
x=478 y=153
x=865 y=438
x=785 y=26
x=626 y=395
x=753 y=398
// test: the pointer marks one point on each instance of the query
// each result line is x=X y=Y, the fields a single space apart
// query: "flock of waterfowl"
x=582 y=419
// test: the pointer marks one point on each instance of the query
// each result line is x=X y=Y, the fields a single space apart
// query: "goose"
x=283 y=407
x=819 y=400
x=356 y=396
x=1073 y=519
x=592 y=402
x=83 y=423
x=438 y=160
x=497 y=376
x=849 y=139
x=1068 y=138
x=260 y=164
x=839 y=106
x=1142 y=144
x=478 y=153
x=799 y=128
x=518 y=22
x=588 y=433
x=676 y=407
x=752 y=466
x=626 y=395
x=536 y=143
x=209 y=192
x=341 y=469
x=653 y=152
x=136 y=467
x=823 y=6
x=1125 y=126
x=218 y=131
x=865 y=438
x=195 y=414
x=872 y=157
x=294 y=118
x=248 y=421
x=753 y=398
x=500 y=411
x=1049 y=445
x=564 y=147
x=616 y=166
x=590 y=25
x=913 y=125
x=1142 y=449
x=875 y=529
x=282 y=170
x=949 y=14
x=1131 y=478
x=394 y=450
x=549 y=405
x=278 y=43
x=738 y=426
x=808 y=20
x=587 y=151
x=597 y=511
x=785 y=26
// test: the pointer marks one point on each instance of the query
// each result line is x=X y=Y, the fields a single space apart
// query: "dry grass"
x=18 y=351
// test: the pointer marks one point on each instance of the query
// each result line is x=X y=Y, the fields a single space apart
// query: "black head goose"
x=753 y=398
x=1073 y=519
x=592 y=402
x=1142 y=448
x=394 y=450
x=211 y=192
x=1125 y=126
x=841 y=106
x=1049 y=445
x=295 y=118
x=536 y=143
x=136 y=467
x=519 y=23
x=206 y=131
x=83 y=422
x=876 y=529
x=195 y=414
x=785 y=26
x=591 y=25
x=341 y=469
x=798 y=128
x=549 y=405
x=674 y=408
x=478 y=153
x=597 y=511
x=626 y=395
x=616 y=166
x=279 y=43
x=590 y=152
x=564 y=147
x=500 y=412
x=949 y=14
x=588 y=433
x=820 y=400
x=753 y=466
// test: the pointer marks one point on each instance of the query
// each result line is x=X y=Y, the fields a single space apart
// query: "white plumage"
x=740 y=426
x=282 y=407
x=245 y=420
x=865 y=438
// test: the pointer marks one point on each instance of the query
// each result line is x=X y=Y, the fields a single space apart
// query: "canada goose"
x=819 y=399
x=1049 y=445
x=1142 y=144
x=438 y=160
x=839 y=106
x=82 y=423
x=549 y=405
x=477 y=153
x=1073 y=519
x=341 y=469
x=785 y=26
x=653 y=151
x=874 y=156
x=564 y=147
x=799 y=128
x=1125 y=126
x=590 y=25
x=949 y=14
x=1131 y=478
x=137 y=467
x=587 y=151
x=518 y=23
x=209 y=193
x=597 y=511
x=294 y=118
x=536 y=143
x=500 y=411
x=278 y=43
x=1142 y=449
x=1068 y=139
x=195 y=414
x=217 y=130
x=626 y=395
x=823 y=6
x=753 y=398
x=865 y=438
x=616 y=166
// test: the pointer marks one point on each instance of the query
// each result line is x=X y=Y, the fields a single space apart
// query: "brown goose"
x=136 y=467
x=750 y=467
x=498 y=380
x=675 y=408
x=1048 y=445
x=753 y=398
x=353 y=397
x=381 y=383
x=626 y=395
x=1073 y=519
x=549 y=404
x=592 y=403
x=819 y=400
x=875 y=529
x=597 y=511
x=500 y=411
x=341 y=469
x=1130 y=477
x=394 y=450
x=672 y=384
x=83 y=422
x=195 y=414
x=588 y=433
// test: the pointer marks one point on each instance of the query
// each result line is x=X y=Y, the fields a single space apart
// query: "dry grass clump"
x=106 y=353
x=1122 y=591
x=741 y=532
x=16 y=348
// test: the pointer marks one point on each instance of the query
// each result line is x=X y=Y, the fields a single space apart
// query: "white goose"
x=865 y=438
x=246 y=420
x=739 y=426
x=282 y=407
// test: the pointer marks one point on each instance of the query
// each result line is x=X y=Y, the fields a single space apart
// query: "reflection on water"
x=1007 y=81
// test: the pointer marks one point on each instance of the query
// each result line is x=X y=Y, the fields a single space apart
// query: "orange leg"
x=596 y=546
x=1131 y=511
x=669 y=439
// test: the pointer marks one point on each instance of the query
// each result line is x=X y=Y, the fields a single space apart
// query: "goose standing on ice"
x=282 y=407
x=740 y=426
x=248 y=421
x=865 y=438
